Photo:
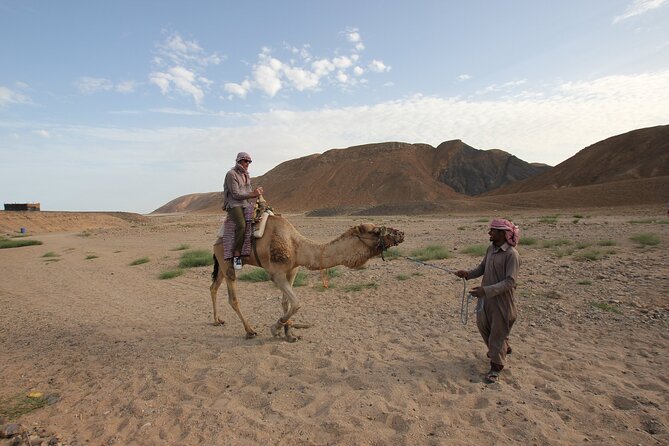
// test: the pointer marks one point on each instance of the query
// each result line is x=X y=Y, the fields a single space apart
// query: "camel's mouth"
x=391 y=237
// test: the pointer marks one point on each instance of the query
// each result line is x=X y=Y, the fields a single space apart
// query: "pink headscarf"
x=511 y=231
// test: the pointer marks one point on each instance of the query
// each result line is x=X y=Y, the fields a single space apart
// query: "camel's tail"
x=214 y=274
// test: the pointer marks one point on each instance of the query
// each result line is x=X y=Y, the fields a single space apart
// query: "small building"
x=22 y=206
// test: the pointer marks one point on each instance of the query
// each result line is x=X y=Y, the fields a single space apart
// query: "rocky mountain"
x=634 y=155
x=395 y=177
x=370 y=175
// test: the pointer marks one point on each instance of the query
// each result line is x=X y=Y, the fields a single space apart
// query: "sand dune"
x=130 y=359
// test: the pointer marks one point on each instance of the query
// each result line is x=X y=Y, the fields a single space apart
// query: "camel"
x=282 y=250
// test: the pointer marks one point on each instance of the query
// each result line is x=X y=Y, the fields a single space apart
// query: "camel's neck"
x=348 y=251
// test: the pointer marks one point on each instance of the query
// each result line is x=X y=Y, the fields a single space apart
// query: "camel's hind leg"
x=224 y=270
x=230 y=281
x=217 y=279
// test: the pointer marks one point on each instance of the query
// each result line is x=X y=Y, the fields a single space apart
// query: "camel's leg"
x=213 y=289
x=230 y=280
x=290 y=305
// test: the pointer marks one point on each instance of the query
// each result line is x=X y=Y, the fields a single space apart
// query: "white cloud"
x=638 y=7
x=302 y=71
x=505 y=87
x=240 y=90
x=301 y=79
x=126 y=87
x=464 y=77
x=179 y=68
x=9 y=97
x=378 y=66
x=182 y=80
x=89 y=85
x=42 y=133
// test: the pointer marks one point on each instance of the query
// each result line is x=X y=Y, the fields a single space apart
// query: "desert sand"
x=125 y=358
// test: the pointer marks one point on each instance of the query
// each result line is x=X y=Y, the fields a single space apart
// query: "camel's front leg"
x=290 y=305
x=230 y=281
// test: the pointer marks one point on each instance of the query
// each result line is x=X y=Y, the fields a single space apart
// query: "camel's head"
x=379 y=238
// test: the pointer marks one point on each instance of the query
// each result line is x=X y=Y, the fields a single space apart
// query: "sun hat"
x=243 y=156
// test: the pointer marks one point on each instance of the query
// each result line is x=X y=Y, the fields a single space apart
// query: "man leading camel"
x=237 y=192
x=499 y=269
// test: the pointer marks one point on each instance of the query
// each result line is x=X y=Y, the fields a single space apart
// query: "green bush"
x=181 y=247
x=360 y=286
x=431 y=252
x=91 y=256
x=555 y=243
x=255 y=275
x=646 y=239
x=195 y=258
x=50 y=254
x=300 y=279
x=550 y=219
x=606 y=243
x=393 y=253
x=170 y=274
x=139 y=261
x=6 y=243
x=529 y=241
x=590 y=255
x=402 y=277
x=606 y=307
x=476 y=250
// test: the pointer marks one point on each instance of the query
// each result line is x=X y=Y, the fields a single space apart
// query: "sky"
x=125 y=105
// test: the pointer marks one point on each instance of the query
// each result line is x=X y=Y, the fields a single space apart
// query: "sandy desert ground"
x=124 y=358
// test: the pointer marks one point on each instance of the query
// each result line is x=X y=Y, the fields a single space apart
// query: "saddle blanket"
x=226 y=235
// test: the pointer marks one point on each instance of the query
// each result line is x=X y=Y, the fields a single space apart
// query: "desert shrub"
x=606 y=243
x=195 y=258
x=476 y=250
x=584 y=282
x=563 y=251
x=583 y=245
x=555 y=243
x=181 y=247
x=431 y=252
x=578 y=216
x=139 y=261
x=255 y=275
x=7 y=243
x=360 y=286
x=393 y=254
x=50 y=254
x=550 y=219
x=19 y=405
x=300 y=279
x=646 y=239
x=529 y=241
x=320 y=288
x=170 y=274
x=606 y=307
x=589 y=255
x=402 y=277
x=333 y=272
x=91 y=257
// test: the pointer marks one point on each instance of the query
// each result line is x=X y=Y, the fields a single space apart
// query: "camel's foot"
x=251 y=334
x=289 y=334
x=218 y=321
x=276 y=329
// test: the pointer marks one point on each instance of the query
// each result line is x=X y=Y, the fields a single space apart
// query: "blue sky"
x=126 y=105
